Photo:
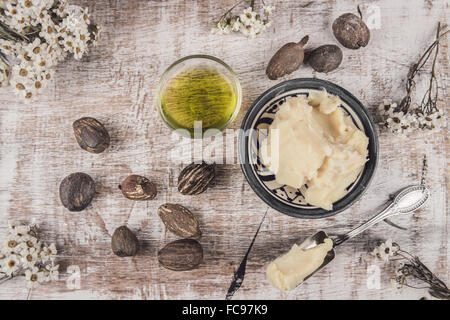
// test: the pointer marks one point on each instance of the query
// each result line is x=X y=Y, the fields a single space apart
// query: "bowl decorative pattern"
x=261 y=114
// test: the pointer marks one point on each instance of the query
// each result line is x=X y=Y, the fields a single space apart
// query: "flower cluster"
x=249 y=22
x=401 y=122
x=35 y=35
x=410 y=271
x=385 y=250
x=22 y=254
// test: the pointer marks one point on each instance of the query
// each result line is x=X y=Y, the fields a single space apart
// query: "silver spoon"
x=406 y=201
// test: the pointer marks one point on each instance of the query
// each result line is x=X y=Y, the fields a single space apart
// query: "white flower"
x=400 y=122
x=34 y=277
x=249 y=22
x=12 y=224
x=48 y=253
x=30 y=257
x=221 y=28
x=10 y=264
x=268 y=10
x=385 y=250
x=21 y=231
x=32 y=242
x=248 y=16
x=57 y=37
x=53 y=272
x=11 y=245
x=235 y=24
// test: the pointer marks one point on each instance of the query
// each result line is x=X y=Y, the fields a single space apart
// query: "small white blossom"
x=53 y=41
x=268 y=10
x=34 y=277
x=11 y=264
x=248 y=17
x=221 y=28
x=48 y=253
x=30 y=257
x=21 y=231
x=385 y=250
x=23 y=254
x=249 y=23
x=53 y=272
x=11 y=245
x=400 y=122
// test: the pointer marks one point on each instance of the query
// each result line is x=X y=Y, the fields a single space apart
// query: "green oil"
x=198 y=94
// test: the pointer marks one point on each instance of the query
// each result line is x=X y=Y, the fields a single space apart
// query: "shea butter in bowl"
x=308 y=148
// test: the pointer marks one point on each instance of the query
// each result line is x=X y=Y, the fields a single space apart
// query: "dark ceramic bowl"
x=283 y=198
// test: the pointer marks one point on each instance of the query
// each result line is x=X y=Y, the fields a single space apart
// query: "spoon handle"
x=389 y=211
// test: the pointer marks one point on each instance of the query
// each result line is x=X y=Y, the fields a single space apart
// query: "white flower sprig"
x=399 y=122
x=411 y=272
x=35 y=35
x=407 y=116
x=385 y=250
x=22 y=254
x=249 y=22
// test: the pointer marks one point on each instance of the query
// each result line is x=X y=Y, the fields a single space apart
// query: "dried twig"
x=419 y=272
x=429 y=101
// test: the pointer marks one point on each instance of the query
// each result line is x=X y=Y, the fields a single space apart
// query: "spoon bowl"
x=314 y=240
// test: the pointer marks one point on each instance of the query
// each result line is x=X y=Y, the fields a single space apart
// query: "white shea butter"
x=313 y=142
x=289 y=270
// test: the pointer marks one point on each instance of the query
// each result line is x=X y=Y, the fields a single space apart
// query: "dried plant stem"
x=3 y=58
x=414 y=268
x=5 y=278
x=229 y=10
x=429 y=102
x=424 y=170
x=7 y=33
x=359 y=12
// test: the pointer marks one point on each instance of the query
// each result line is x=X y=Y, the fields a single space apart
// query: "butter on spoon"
x=302 y=261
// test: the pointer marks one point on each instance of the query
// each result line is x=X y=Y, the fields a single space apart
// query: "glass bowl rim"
x=234 y=79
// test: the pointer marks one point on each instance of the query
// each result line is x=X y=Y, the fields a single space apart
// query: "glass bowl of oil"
x=198 y=96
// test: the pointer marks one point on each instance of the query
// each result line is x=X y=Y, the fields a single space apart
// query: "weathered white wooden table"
x=115 y=84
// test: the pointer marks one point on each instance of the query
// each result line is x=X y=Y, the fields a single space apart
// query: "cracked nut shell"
x=351 y=31
x=195 y=178
x=136 y=187
x=76 y=191
x=91 y=135
x=181 y=255
x=179 y=220
x=124 y=242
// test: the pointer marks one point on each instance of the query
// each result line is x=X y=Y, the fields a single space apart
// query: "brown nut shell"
x=195 y=178
x=124 y=242
x=286 y=60
x=181 y=255
x=136 y=187
x=91 y=135
x=179 y=220
x=325 y=58
x=351 y=31
x=76 y=191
